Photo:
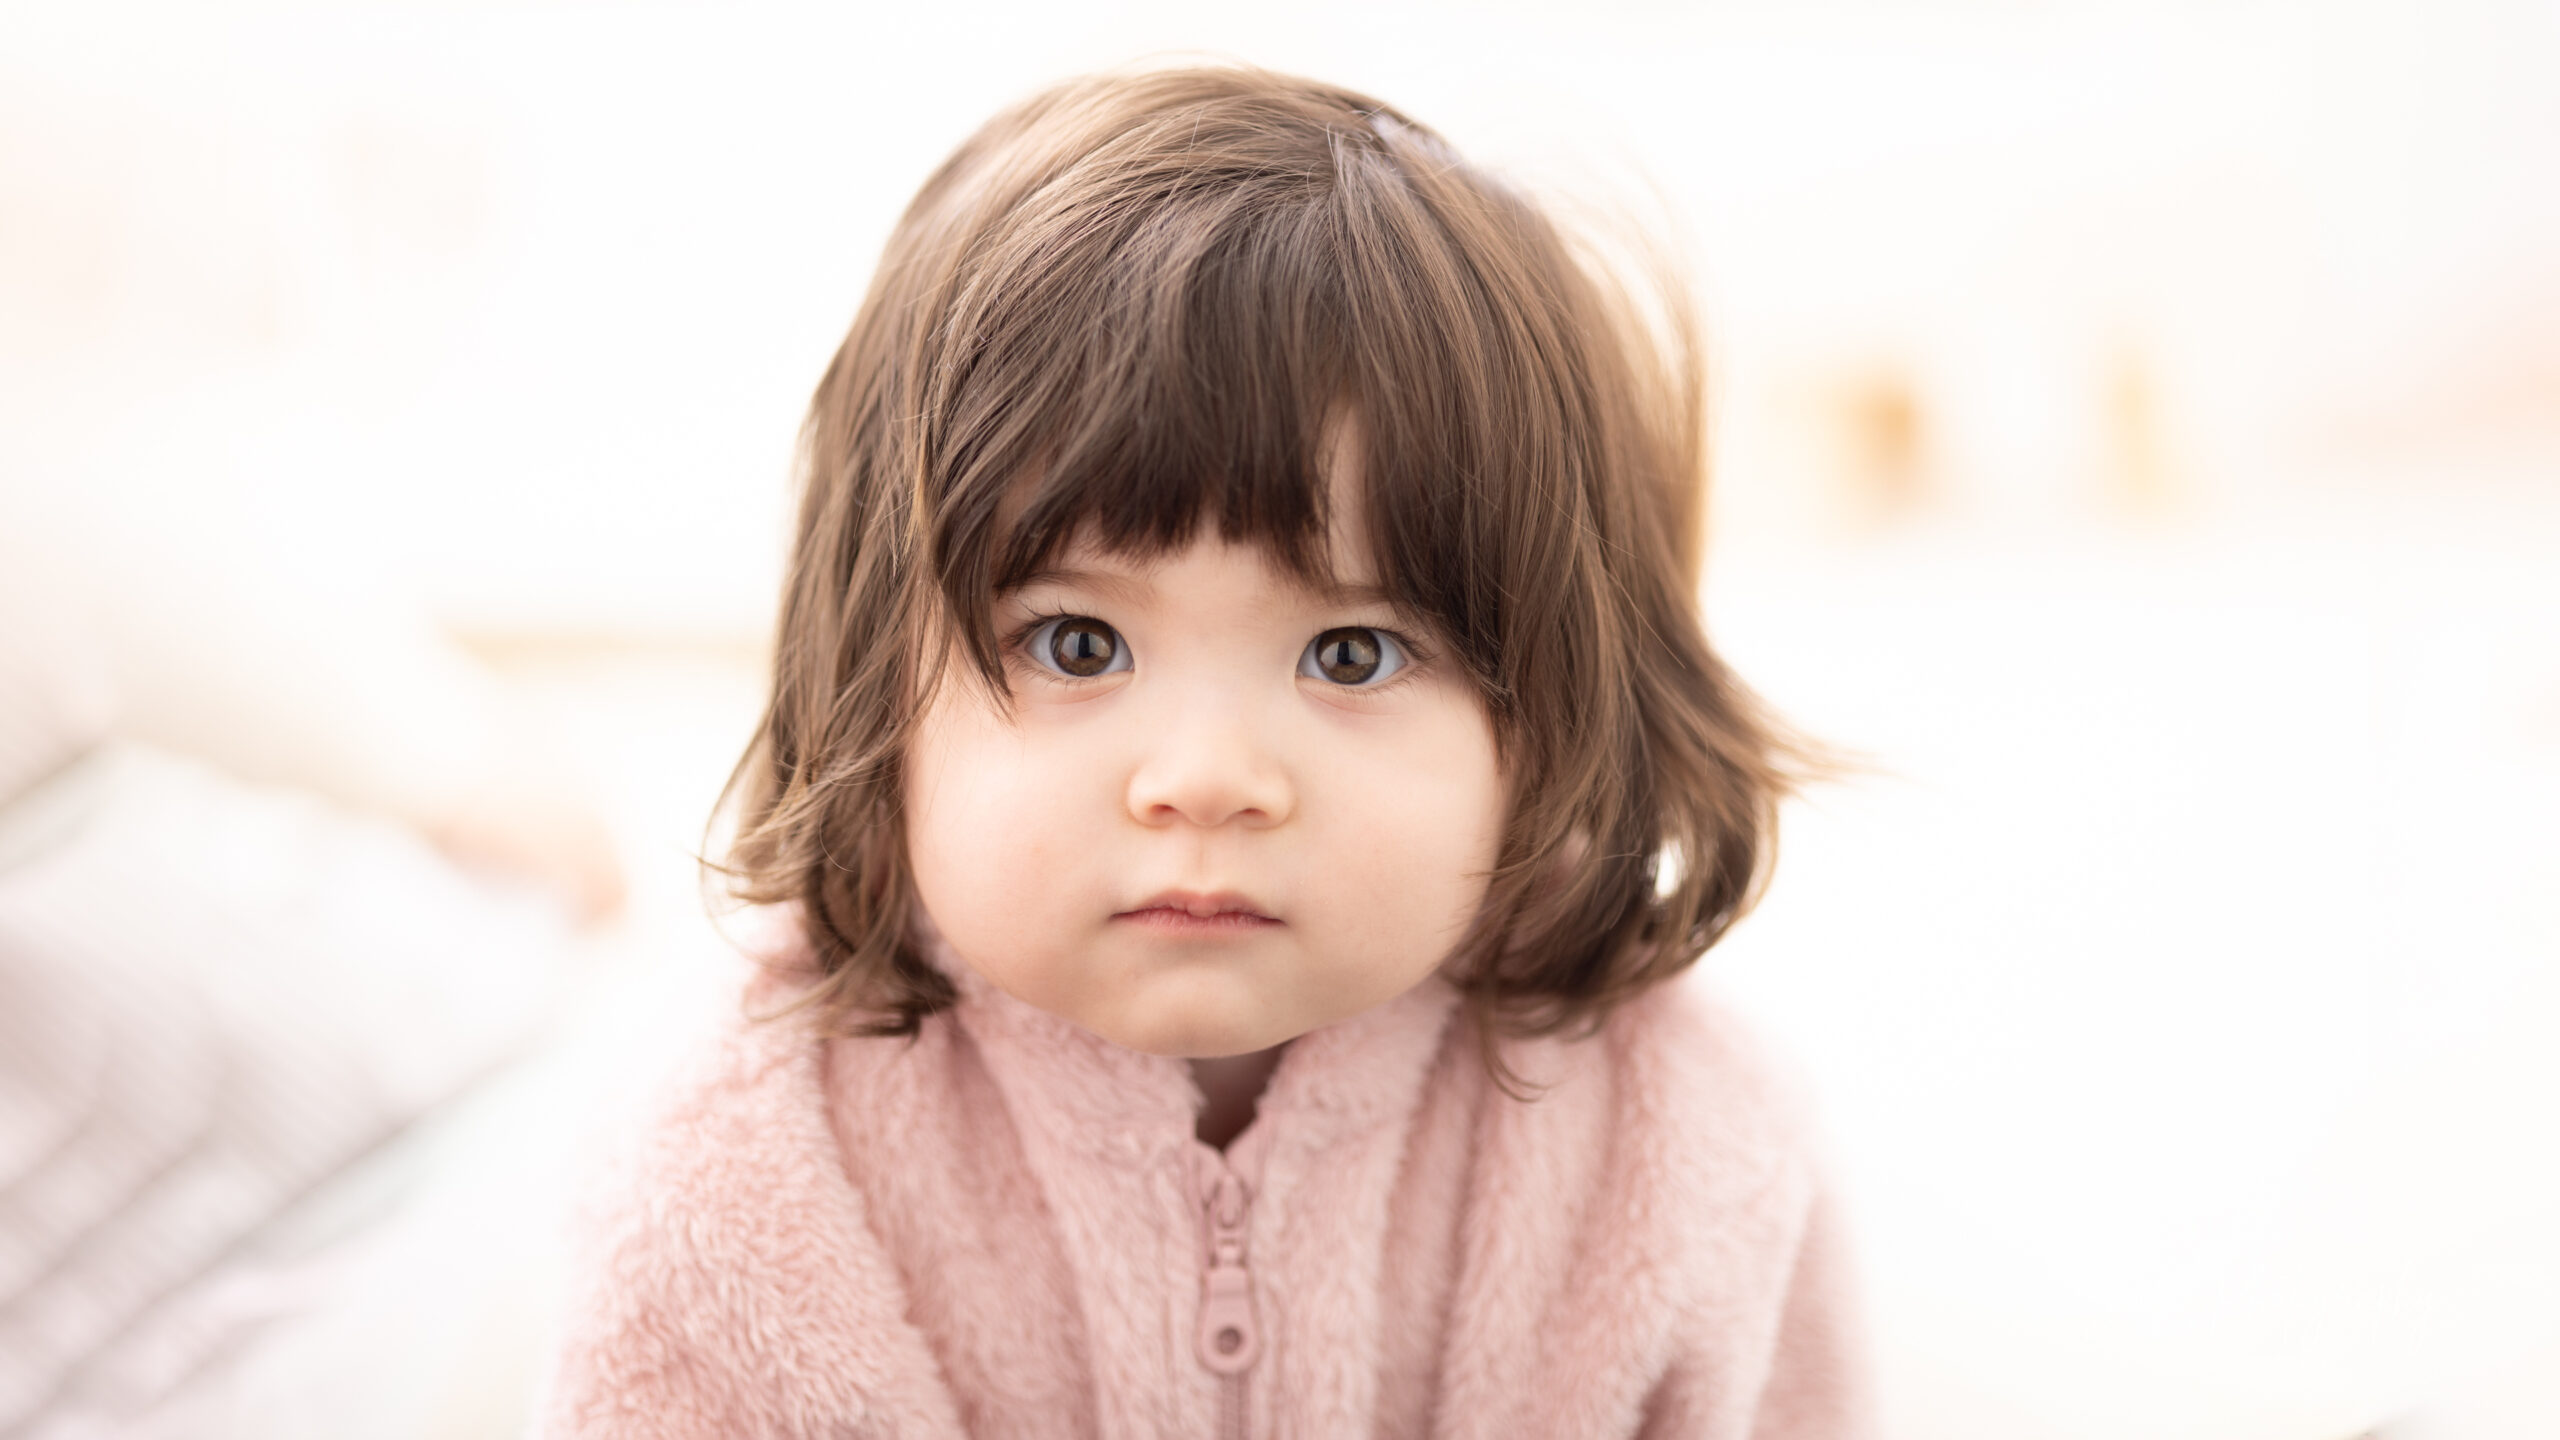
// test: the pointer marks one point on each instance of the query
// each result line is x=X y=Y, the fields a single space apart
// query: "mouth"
x=1189 y=912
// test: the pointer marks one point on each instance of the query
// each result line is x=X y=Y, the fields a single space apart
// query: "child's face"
x=1226 y=811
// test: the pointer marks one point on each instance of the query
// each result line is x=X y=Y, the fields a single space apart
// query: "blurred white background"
x=2138 y=436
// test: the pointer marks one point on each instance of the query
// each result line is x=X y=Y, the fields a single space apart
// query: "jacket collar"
x=1102 y=1101
x=1116 y=1105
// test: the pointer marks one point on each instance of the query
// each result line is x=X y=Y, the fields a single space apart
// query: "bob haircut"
x=1142 y=303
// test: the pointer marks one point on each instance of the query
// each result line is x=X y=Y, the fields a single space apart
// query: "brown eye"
x=1081 y=646
x=1352 y=655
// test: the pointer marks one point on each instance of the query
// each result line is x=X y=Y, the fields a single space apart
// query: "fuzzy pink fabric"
x=997 y=1230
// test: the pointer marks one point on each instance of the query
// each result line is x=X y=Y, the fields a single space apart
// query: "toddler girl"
x=1242 y=773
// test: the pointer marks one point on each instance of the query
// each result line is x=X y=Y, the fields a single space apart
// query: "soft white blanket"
x=214 y=1001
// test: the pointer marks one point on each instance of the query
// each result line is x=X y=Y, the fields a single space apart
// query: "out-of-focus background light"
x=2138 y=436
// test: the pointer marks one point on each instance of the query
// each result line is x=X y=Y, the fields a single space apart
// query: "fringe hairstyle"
x=1138 y=304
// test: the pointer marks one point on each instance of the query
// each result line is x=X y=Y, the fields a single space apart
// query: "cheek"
x=991 y=829
x=1421 y=827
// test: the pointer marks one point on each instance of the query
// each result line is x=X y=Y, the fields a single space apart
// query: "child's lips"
x=1187 y=912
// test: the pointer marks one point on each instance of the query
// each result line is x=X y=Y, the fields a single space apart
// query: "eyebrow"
x=1340 y=594
x=1135 y=590
x=1123 y=587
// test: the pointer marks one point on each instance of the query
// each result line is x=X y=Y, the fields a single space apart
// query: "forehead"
x=1327 y=555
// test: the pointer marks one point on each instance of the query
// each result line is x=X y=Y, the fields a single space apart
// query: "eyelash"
x=1017 y=645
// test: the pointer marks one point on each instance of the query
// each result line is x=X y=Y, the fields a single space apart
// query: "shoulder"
x=728 y=1280
x=749 y=1068
x=1710 y=1130
x=1691 y=1073
x=1658 y=1180
x=1673 y=1096
x=1727 y=1140
x=739 y=1125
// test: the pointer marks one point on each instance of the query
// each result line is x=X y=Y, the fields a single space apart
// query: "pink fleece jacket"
x=1007 y=1228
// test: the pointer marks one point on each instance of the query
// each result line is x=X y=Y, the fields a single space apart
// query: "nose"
x=1207 y=768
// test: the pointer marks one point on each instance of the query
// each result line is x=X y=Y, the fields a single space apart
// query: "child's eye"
x=1353 y=655
x=1078 y=646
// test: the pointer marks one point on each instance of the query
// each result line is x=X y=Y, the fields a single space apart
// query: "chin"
x=1184 y=1042
x=1191 y=1032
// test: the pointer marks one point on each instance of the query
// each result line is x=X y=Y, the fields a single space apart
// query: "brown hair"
x=1139 y=303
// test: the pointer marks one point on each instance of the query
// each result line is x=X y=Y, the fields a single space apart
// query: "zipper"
x=1228 y=1340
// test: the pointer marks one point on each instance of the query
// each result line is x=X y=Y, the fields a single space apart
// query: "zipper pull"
x=1229 y=1341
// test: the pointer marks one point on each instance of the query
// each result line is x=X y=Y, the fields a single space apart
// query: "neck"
x=1229 y=1088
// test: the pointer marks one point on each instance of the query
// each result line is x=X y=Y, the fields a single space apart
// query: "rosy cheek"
x=1014 y=822
x=956 y=800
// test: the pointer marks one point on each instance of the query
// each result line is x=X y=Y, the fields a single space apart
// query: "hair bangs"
x=1180 y=361
x=1249 y=357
